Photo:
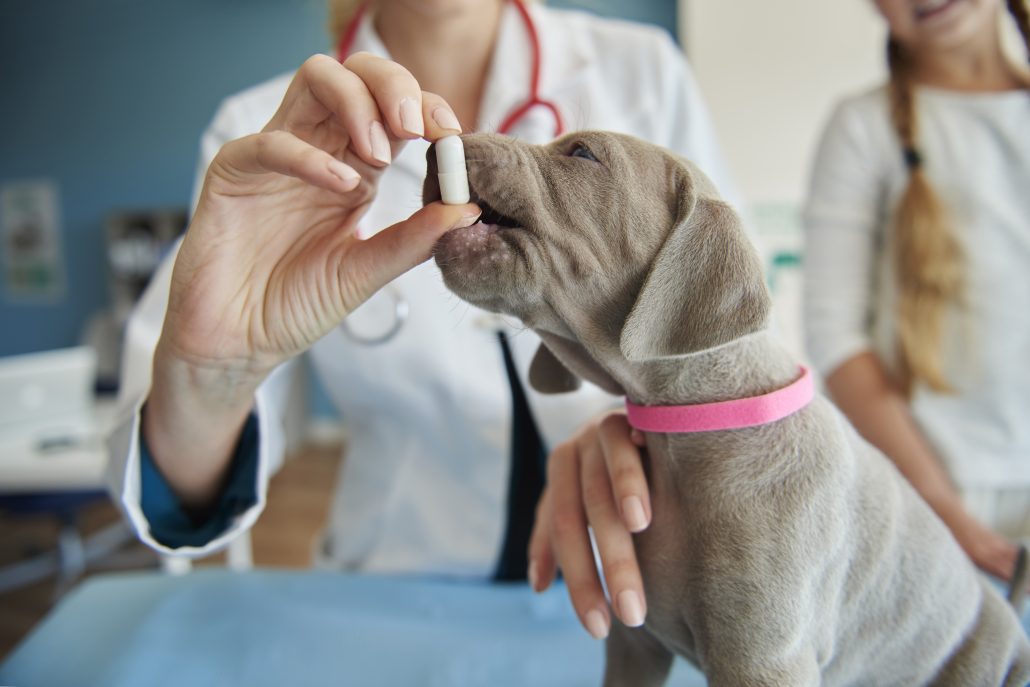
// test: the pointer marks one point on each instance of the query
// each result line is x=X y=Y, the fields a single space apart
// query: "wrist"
x=192 y=421
x=218 y=387
x=948 y=507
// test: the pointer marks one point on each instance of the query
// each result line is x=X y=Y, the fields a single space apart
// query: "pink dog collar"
x=710 y=417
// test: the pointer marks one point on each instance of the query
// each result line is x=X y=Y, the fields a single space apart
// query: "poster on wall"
x=30 y=230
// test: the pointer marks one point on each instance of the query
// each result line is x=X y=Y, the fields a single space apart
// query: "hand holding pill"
x=366 y=111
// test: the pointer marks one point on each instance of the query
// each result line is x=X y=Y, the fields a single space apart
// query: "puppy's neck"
x=750 y=366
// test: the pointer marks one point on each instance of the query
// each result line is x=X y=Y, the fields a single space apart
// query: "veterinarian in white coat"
x=428 y=411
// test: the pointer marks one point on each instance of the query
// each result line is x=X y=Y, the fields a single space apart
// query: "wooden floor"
x=284 y=536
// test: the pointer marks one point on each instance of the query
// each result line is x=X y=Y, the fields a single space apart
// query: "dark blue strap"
x=528 y=460
x=175 y=526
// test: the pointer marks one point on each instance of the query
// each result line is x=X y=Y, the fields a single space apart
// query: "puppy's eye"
x=582 y=151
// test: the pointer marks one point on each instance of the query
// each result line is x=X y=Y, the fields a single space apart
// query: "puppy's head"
x=608 y=246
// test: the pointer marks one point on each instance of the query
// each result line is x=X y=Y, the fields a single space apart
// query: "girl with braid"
x=917 y=295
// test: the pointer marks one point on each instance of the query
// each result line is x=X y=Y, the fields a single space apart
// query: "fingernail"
x=631 y=608
x=633 y=513
x=411 y=117
x=534 y=575
x=348 y=176
x=467 y=220
x=597 y=624
x=445 y=119
x=380 y=143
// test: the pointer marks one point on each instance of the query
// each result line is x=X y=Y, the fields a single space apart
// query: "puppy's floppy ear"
x=547 y=374
x=705 y=287
x=560 y=352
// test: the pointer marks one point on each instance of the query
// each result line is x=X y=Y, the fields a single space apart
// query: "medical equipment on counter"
x=137 y=240
x=47 y=395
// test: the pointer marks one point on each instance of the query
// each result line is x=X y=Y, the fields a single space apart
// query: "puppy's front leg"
x=798 y=670
x=634 y=658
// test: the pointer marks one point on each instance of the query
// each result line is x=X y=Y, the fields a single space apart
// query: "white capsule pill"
x=450 y=164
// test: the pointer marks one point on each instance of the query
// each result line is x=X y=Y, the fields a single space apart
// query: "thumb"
x=381 y=258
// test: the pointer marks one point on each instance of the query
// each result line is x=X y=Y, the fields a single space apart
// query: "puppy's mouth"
x=490 y=219
x=488 y=261
x=490 y=216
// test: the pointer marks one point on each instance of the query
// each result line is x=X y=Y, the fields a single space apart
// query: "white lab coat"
x=428 y=414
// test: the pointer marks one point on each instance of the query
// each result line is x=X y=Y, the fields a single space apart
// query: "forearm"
x=863 y=391
x=192 y=422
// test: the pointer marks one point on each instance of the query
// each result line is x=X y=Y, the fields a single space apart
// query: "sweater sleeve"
x=842 y=216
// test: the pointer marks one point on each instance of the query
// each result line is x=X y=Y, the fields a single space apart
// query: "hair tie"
x=913 y=159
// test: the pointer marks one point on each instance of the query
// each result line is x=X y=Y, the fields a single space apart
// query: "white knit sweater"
x=976 y=148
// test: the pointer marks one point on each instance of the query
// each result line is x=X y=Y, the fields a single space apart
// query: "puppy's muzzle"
x=479 y=171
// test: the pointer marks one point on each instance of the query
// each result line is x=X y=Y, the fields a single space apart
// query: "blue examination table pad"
x=266 y=627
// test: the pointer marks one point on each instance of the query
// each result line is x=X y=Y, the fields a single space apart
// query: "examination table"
x=269 y=627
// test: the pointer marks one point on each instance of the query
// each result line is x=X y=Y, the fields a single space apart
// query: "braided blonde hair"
x=1019 y=12
x=929 y=263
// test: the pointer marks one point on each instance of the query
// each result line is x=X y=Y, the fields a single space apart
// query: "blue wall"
x=109 y=97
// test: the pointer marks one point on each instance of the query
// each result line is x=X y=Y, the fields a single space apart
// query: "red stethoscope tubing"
x=534 y=100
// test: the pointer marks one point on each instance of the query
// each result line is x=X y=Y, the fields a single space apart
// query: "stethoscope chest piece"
x=377 y=320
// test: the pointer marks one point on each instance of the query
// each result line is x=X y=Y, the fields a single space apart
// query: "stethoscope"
x=397 y=303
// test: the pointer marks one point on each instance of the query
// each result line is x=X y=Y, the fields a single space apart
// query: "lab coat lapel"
x=367 y=40
x=508 y=78
x=562 y=63
x=567 y=60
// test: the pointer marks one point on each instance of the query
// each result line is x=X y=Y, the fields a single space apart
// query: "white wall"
x=771 y=71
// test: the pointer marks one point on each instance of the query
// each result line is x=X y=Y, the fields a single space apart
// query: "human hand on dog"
x=596 y=478
x=271 y=261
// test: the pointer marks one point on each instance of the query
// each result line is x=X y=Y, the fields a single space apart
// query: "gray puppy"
x=791 y=553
